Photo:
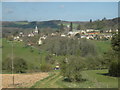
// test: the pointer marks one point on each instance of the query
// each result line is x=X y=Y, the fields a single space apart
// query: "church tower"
x=36 y=30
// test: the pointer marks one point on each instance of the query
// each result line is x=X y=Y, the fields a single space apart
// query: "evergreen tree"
x=71 y=27
x=104 y=19
x=90 y=20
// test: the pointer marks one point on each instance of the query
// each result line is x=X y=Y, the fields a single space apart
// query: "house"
x=83 y=36
x=92 y=33
x=70 y=33
x=21 y=34
x=41 y=38
x=62 y=35
x=17 y=38
x=82 y=31
x=89 y=30
x=31 y=35
x=53 y=34
x=40 y=42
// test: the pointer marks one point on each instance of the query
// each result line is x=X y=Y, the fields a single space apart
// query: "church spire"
x=36 y=30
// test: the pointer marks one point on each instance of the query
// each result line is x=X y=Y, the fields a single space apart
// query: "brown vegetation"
x=21 y=80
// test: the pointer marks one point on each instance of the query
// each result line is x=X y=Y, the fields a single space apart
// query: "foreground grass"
x=100 y=80
x=94 y=79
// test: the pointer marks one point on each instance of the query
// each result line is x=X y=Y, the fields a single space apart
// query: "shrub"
x=49 y=59
x=92 y=62
x=7 y=64
x=19 y=64
x=71 y=68
x=114 y=69
x=45 y=67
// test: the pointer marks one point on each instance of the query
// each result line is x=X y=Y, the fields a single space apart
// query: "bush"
x=114 y=69
x=71 y=68
x=92 y=62
x=49 y=59
x=7 y=64
x=45 y=67
x=19 y=64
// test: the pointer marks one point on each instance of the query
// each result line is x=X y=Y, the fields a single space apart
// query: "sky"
x=68 y=11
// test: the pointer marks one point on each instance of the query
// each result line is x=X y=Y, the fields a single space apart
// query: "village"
x=89 y=34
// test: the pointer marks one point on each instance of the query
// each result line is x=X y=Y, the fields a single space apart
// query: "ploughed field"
x=21 y=80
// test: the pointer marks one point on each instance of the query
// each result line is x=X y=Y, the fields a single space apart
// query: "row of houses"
x=88 y=34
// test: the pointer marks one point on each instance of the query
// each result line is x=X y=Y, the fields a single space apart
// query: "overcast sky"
x=69 y=11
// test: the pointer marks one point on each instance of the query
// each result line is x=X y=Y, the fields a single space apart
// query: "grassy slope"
x=102 y=46
x=32 y=58
x=94 y=79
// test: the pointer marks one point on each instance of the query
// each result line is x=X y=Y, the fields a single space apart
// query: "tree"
x=114 y=68
x=71 y=68
x=116 y=42
x=19 y=64
x=90 y=20
x=79 y=27
x=104 y=19
x=71 y=26
x=61 y=27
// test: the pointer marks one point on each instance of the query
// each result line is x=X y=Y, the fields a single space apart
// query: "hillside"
x=97 y=24
x=30 y=54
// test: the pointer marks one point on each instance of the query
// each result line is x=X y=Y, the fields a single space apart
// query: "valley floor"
x=94 y=79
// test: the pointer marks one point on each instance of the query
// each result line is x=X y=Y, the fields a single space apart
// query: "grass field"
x=102 y=46
x=33 y=58
x=94 y=79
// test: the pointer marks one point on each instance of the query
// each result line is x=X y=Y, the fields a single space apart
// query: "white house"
x=62 y=35
x=40 y=41
x=31 y=35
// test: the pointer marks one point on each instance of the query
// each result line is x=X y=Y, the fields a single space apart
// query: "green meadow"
x=30 y=54
x=93 y=79
x=34 y=56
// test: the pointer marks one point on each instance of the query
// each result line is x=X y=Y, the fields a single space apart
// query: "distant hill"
x=98 y=24
x=103 y=24
x=25 y=24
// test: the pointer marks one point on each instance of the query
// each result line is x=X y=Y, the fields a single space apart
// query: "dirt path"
x=50 y=82
x=21 y=80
